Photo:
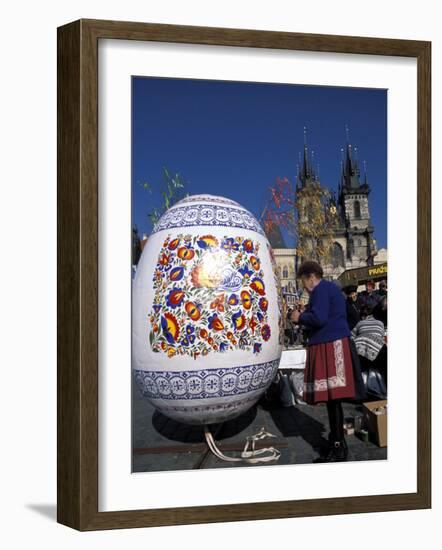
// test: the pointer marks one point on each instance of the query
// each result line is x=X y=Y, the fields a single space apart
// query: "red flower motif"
x=171 y=328
x=218 y=303
x=215 y=323
x=248 y=245
x=253 y=324
x=165 y=258
x=246 y=299
x=265 y=332
x=185 y=253
x=173 y=244
x=256 y=264
x=192 y=311
x=208 y=241
x=258 y=286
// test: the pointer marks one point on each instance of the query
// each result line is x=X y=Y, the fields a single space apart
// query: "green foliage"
x=171 y=191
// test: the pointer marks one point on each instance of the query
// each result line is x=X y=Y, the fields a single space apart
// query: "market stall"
x=360 y=275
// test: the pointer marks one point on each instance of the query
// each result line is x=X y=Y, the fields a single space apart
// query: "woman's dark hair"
x=308 y=268
x=366 y=310
x=349 y=289
x=380 y=311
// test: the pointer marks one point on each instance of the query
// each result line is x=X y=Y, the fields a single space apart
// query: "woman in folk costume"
x=330 y=374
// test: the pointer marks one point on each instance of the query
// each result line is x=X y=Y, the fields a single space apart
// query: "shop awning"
x=361 y=275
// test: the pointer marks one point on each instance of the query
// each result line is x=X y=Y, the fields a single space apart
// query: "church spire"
x=306 y=174
x=365 y=174
x=350 y=169
x=306 y=171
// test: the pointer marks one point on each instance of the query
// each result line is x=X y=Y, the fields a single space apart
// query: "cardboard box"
x=376 y=424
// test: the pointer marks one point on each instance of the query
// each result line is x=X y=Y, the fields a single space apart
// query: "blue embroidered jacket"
x=326 y=314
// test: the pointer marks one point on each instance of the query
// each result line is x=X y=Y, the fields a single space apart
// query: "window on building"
x=357 y=209
x=285 y=272
x=338 y=256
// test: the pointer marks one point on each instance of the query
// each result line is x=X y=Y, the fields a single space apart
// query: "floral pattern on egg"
x=209 y=296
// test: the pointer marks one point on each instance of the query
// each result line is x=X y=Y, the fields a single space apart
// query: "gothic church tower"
x=309 y=206
x=355 y=213
x=337 y=228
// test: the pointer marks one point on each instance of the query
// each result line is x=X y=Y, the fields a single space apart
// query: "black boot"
x=337 y=452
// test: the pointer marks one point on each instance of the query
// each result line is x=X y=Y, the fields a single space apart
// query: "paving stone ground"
x=302 y=428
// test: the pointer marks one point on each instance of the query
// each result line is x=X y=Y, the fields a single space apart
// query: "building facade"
x=346 y=216
x=285 y=264
x=285 y=258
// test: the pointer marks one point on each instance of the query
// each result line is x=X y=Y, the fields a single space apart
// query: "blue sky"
x=235 y=138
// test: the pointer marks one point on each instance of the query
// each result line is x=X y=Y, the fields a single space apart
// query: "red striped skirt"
x=328 y=372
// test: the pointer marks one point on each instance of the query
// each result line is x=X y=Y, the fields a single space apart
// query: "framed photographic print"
x=238 y=210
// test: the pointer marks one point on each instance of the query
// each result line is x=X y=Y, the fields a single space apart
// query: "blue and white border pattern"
x=207 y=198
x=207 y=383
x=207 y=214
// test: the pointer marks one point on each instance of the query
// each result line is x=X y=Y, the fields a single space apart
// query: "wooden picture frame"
x=78 y=274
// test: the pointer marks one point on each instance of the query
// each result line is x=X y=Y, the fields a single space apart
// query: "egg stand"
x=204 y=449
x=249 y=454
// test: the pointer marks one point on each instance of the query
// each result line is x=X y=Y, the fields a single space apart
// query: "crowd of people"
x=371 y=301
x=345 y=333
x=367 y=319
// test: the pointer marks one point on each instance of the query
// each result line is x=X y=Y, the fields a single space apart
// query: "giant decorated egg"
x=206 y=327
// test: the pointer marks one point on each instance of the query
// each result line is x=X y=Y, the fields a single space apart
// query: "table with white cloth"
x=291 y=376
